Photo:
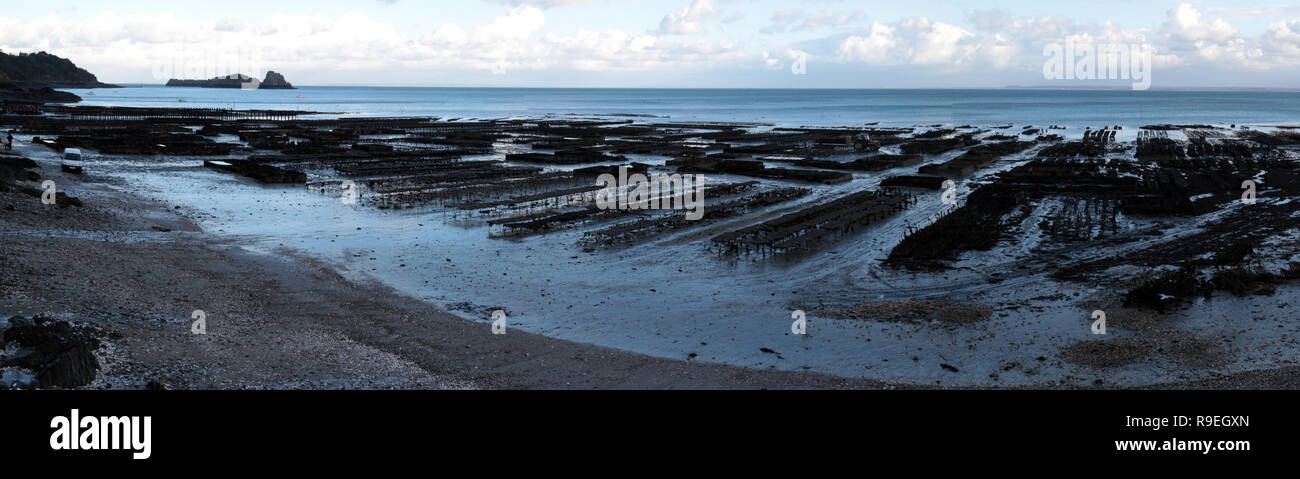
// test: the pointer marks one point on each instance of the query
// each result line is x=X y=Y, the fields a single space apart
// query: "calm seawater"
x=780 y=107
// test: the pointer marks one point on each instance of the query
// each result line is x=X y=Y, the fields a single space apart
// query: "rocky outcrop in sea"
x=237 y=80
x=13 y=92
x=275 y=81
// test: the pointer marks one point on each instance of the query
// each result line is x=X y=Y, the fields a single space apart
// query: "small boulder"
x=62 y=354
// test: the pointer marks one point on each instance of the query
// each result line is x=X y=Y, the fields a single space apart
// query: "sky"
x=659 y=43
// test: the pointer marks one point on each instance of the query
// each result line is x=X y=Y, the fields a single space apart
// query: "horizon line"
x=1007 y=87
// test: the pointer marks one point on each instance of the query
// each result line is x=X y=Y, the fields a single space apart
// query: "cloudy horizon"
x=673 y=44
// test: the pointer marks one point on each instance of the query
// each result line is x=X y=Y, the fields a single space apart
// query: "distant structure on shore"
x=273 y=81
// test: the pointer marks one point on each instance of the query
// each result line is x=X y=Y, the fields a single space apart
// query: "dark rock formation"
x=720 y=164
x=14 y=169
x=138 y=140
x=373 y=147
x=62 y=354
x=261 y=173
x=632 y=168
x=275 y=81
x=237 y=80
x=37 y=70
x=31 y=78
x=61 y=199
x=17 y=162
x=915 y=181
x=14 y=93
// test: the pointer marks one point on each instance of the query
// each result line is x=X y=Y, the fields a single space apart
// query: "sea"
x=778 y=107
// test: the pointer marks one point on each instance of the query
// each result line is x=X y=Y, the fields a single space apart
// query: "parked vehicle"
x=72 y=160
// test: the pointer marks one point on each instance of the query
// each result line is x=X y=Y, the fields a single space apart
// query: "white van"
x=72 y=161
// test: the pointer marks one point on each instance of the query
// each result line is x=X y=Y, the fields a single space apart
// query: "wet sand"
x=138 y=270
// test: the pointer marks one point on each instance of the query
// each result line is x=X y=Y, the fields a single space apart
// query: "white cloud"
x=230 y=24
x=989 y=43
x=1043 y=27
x=1283 y=40
x=1186 y=25
x=449 y=35
x=140 y=47
x=781 y=20
x=1186 y=38
x=772 y=60
x=936 y=42
x=831 y=20
x=1236 y=51
x=539 y=3
x=689 y=20
x=794 y=20
x=1189 y=38
x=919 y=41
x=520 y=24
x=1269 y=12
x=879 y=46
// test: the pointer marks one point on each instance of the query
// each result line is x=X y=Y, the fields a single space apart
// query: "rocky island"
x=273 y=81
